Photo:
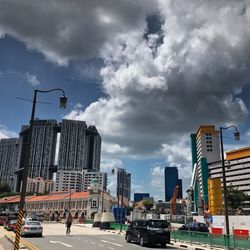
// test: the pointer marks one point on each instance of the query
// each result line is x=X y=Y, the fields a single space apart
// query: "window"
x=94 y=204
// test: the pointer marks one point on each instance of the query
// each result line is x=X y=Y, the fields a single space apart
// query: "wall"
x=236 y=222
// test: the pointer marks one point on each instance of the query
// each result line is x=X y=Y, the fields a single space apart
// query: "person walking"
x=69 y=223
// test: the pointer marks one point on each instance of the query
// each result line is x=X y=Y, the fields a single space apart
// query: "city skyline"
x=79 y=149
x=143 y=77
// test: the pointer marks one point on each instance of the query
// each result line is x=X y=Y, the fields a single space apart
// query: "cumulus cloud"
x=6 y=133
x=65 y=30
x=32 y=79
x=159 y=86
x=193 y=78
x=106 y=166
x=157 y=180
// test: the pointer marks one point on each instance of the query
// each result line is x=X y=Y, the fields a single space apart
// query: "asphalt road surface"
x=83 y=238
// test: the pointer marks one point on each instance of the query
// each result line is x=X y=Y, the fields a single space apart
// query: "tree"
x=148 y=204
x=236 y=197
x=129 y=210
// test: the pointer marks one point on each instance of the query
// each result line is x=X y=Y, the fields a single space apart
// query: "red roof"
x=38 y=198
x=51 y=197
x=14 y=199
x=8 y=199
x=54 y=197
x=78 y=195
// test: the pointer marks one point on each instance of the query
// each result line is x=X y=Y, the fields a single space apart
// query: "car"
x=30 y=228
x=10 y=226
x=195 y=227
x=40 y=217
x=149 y=232
x=8 y=219
x=3 y=217
x=2 y=220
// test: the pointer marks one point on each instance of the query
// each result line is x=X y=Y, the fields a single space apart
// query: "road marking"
x=112 y=243
x=100 y=245
x=111 y=248
x=59 y=242
x=92 y=242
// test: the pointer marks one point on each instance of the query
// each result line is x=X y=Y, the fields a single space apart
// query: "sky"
x=146 y=73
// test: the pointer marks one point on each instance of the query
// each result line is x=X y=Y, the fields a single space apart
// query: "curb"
x=185 y=245
x=11 y=240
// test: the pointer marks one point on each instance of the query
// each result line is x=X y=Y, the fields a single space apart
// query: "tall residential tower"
x=9 y=150
x=80 y=147
x=42 y=150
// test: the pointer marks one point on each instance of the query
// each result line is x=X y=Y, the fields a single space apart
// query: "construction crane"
x=173 y=202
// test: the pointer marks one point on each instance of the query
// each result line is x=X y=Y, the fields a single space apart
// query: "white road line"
x=59 y=242
x=111 y=248
x=112 y=243
x=100 y=245
x=92 y=242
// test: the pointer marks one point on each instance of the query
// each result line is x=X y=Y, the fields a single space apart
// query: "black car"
x=195 y=227
x=149 y=232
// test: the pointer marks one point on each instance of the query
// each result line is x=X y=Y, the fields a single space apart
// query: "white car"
x=32 y=228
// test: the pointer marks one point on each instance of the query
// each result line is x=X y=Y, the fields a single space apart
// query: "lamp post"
x=69 y=199
x=63 y=101
x=237 y=137
x=103 y=190
x=120 y=175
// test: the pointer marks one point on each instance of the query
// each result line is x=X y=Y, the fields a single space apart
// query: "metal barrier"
x=211 y=240
x=117 y=226
x=88 y=221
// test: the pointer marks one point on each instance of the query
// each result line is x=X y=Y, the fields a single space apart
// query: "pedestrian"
x=69 y=223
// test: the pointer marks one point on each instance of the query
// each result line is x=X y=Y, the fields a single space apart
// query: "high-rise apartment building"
x=42 y=150
x=171 y=181
x=92 y=149
x=68 y=180
x=123 y=183
x=9 y=150
x=80 y=147
x=205 y=149
x=88 y=177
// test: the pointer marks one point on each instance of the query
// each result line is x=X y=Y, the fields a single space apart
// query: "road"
x=82 y=238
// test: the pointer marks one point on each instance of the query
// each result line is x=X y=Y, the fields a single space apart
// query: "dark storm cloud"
x=187 y=71
x=64 y=30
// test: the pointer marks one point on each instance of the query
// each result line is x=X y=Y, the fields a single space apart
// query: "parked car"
x=31 y=228
x=3 y=217
x=40 y=217
x=149 y=232
x=8 y=219
x=195 y=226
x=10 y=226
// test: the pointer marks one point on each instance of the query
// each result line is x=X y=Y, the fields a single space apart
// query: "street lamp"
x=69 y=199
x=236 y=137
x=120 y=174
x=63 y=101
x=103 y=190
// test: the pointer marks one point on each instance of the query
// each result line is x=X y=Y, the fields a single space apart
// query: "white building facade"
x=68 y=180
